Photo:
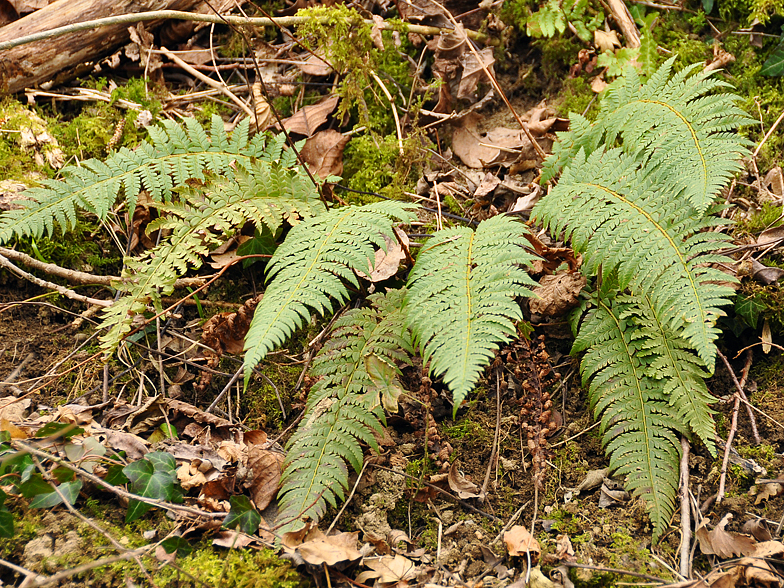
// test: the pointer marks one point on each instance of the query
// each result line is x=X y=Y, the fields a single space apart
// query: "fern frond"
x=342 y=410
x=675 y=124
x=638 y=430
x=667 y=357
x=309 y=271
x=175 y=155
x=461 y=302
x=629 y=219
x=265 y=194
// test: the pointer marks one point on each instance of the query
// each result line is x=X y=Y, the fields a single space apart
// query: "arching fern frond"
x=673 y=123
x=310 y=270
x=343 y=407
x=175 y=155
x=629 y=219
x=638 y=429
x=266 y=194
x=461 y=301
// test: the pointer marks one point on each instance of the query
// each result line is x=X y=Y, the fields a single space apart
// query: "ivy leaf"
x=707 y=6
x=64 y=430
x=178 y=544
x=154 y=477
x=749 y=309
x=115 y=476
x=47 y=500
x=6 y=518
x=34 y=486
x=774 y=64
x=242 y=514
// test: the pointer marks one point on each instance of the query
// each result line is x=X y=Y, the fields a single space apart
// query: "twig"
x=82 y=278
x=569 y=564
x=350 y=496
x=685 y=564
x=483 y=492
x=10 y=378
x=18 y=569
x=226 y=388
x=285 y=21
x=394 y=111
x=68 y=293
x=85 y=567
x=209 y=81
x=767 y=135
x=509 y=523
x=739 y=387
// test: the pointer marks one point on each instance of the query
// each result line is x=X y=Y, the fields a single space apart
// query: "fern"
x=343 y=407
x=461 y=300
x=267 y=194
x=174 y=156
x=670 y=123
x=641 y=215
x=310 y=270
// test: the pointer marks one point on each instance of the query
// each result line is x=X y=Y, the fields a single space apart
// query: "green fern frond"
x=638 y=430
x=630 y=219
x=309 y=271
x=265 y=194
x=461 y=301
x=175 y=155
x=342 y=411
x=669 y=359
x=674 y=124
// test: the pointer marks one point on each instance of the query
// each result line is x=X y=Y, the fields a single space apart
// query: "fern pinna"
x=635 y=198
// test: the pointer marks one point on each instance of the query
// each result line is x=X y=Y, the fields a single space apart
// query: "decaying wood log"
x=32 y=64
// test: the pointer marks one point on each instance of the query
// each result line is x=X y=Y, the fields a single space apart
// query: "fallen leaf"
x=557 y=293
x=307 y=120
x=771 y=235
x=264 y=468
x=323 y=152
x=605 y=41
x=322 y=549
x=519 y=542
x=386 y=263
x=765 y=490
x=598 y=84
x=375 y=32
x=610 y=497
x=473 y=72
x=13 y=409
x=233 y=540
x=563 y=549
x=767 y=337
x=388 y=569
x=593 y=480
x=722 y=543
x=315 y=65
x=460 y=485
x=757 y=529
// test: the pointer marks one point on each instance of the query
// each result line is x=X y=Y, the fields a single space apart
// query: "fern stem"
x=285 y=21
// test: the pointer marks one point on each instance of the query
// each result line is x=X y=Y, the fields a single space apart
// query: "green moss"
x=373 y=164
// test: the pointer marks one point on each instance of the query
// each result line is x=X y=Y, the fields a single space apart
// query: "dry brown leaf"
x=519 y=542
x=767 y=489
x=605 y=41
x=563 y=549
x=375 y=32
x=598 y=84
x=322 y=549
x=323 y=152
x=612 y=497
x=461 y=485
x=773 y=549
x=386 y=263
x=190 y=477
x=767 y=337
x=774 y=182
x=473 y=72
x=479 y=150
x=769 y=236
x=264 y=469
x=557 y=293
x=13 y=409
x=233 y=539
x=314 y=65
x=307 y=120
x=723 y=543
x=757 y=529
x=388 y=570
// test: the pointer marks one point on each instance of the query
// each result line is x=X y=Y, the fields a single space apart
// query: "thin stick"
x=727 y=447
x=739 y=387
x=68 y=293
x=685 y=564
x=394 y=111
x=228 y=386
x=82 y=278
x=232 y=20
x=767 y=135
x=209 y=81
x=85 y=567
x=493 y=451
x=350 y=496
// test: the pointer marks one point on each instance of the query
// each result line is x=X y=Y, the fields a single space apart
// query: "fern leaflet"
x=311 y=268
x=461 y=300
x=343 y=408
x=174 y=155
x=199 y=221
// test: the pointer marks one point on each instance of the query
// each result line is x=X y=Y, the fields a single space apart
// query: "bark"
x=41 y=61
